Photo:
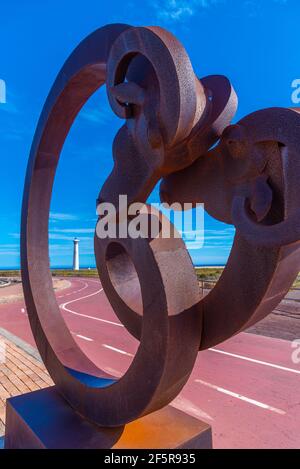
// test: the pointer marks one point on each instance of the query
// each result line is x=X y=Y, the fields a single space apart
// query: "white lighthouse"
x=76 y=254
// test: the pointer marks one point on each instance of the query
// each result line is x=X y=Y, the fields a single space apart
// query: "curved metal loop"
x=251 y=179
x=281 y=126
x=162 y=363
x=172 y=106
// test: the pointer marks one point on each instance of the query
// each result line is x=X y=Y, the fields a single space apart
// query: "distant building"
x=76 y=254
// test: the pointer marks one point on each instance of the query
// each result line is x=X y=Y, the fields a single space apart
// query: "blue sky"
x=254 y=43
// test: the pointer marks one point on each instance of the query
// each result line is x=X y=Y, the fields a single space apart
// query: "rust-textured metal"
x=251 y=180
x=172 y=123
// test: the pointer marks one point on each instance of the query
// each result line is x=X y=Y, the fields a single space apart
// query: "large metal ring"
x=169 y=343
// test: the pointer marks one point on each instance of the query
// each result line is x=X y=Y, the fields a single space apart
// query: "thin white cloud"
x=9 y=252
x=96 y=116
x=65 y=237
x=7 y=246
x=179 y=10
x=8 y=99
x=209 y=239
x=62 y=253
x=73 y=230
x=9 y=107
x=62 y=216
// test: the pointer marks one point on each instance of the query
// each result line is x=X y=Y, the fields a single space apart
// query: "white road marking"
x=92 y=317
x=112 y=371
x=241 y=397
x=64 y=307
x=84 y=337
x=241 y=357
x=188 y=407
x=260 y=362
x=110 y=347
x=81 y=298
x=85 y=285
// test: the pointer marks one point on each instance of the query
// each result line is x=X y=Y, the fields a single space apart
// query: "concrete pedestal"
x=43 y=419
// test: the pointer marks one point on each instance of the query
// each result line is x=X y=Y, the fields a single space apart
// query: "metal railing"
x=206 y=284
x=282 y=309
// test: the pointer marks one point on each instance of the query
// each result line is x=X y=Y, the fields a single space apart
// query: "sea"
x=69 y=267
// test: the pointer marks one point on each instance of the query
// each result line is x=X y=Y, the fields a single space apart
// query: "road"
x=247 y=388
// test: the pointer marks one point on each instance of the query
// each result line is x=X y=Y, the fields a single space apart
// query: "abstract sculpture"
x=172 y=122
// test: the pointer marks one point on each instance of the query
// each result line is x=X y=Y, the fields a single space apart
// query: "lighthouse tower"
x=76 y=254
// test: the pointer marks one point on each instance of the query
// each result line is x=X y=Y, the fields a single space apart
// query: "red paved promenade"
x=247 y=388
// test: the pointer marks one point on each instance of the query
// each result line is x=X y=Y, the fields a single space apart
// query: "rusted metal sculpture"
x=250 y=178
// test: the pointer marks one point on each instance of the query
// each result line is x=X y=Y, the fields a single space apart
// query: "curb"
x=21 y=344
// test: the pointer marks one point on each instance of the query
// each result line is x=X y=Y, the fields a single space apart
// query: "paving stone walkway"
x=21 y=371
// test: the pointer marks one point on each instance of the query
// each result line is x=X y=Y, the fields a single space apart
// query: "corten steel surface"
x=250 y=179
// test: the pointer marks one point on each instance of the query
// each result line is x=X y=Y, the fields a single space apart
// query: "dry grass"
x=203 y=273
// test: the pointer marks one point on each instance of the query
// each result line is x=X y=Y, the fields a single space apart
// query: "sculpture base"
x=43 y=419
